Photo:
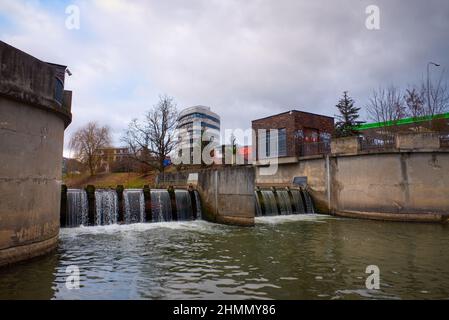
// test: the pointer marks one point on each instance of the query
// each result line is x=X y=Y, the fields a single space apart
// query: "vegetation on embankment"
x=111 y=180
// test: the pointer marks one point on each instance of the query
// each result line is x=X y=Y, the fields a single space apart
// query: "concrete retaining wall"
x=407 y=184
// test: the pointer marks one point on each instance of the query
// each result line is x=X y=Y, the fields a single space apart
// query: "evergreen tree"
x=347 y=117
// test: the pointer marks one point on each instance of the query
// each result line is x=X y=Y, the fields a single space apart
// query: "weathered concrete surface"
x=387 y=186
x=402 y=183
x=417 y=141
x=227 y=194
x=30 y=176
x=348 y=145
x=28 y=80
x=32 y=127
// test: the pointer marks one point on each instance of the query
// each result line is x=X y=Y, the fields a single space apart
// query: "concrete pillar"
x=92 y=214
x=148 y=206
x=121 y=204
x=193 y=202
x=171 y=192
x=34 y=112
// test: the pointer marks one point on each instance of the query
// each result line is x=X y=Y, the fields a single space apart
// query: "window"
x=282 y=142
x=267 y=143
x=59 y=90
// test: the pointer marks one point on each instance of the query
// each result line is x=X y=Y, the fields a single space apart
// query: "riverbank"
x=110 y=180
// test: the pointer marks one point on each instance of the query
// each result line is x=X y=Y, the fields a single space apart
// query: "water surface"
x=287 y=257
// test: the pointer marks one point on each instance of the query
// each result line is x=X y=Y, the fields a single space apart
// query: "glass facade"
x=198 y=115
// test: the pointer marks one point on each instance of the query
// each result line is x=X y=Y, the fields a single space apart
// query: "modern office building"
x=193 y=122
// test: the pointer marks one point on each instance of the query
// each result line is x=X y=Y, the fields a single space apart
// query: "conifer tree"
x=347 y=119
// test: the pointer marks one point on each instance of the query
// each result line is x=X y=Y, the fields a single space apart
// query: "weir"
x=161 y=206
x=273 y=202
x=105 y=210
x=198 y=204
x=134 y=206
x=77 y=208
x=106 y=203
x=183 y=205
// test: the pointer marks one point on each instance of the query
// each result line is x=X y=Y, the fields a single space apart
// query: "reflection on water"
x=296 y=257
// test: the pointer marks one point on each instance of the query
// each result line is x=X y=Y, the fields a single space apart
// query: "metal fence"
x=314 y=148
x=378 y=142
x=444 y=140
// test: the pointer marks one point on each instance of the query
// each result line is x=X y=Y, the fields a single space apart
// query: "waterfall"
x=269 y=202
x=134 y=206
x=106 y=203
x=259 y=212
x=199 y=214
x=161 y=206
x=183 y=205
x=77 y=208
x=298 y=202
x=284 y=201
x=308 y=201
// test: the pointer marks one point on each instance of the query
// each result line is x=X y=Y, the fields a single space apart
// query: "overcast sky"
x=244 y=59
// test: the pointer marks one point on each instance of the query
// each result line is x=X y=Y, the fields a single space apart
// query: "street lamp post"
x=428 y=84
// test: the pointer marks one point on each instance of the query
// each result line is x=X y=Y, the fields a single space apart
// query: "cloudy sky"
x=245 y=59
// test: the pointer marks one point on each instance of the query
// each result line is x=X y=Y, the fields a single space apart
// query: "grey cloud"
x=245 y=59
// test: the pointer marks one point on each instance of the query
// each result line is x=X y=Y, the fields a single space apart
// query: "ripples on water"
x=286 y=257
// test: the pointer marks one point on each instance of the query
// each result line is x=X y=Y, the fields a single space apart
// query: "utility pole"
x=428 y=85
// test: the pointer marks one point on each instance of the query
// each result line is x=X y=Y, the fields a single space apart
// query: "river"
x=285 y=257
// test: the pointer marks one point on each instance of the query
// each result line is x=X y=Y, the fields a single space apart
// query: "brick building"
x=299 y=133
x=113 y=159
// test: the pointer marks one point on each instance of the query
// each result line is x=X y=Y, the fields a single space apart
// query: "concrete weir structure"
x=409 y=182
x=34 y=112
x=227 y=193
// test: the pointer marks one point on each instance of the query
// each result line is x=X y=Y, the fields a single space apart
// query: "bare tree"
x=386 y=105
x=414 y=102
x=86 y=143
x=151 y=141
x=436 y=95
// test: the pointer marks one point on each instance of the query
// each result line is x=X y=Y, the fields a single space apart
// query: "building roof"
x=197 y=109
x=405 y=121
x=292 y=111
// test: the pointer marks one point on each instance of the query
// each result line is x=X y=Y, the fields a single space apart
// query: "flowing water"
x=283 y=202
x=183 y=205
x=108 y=210
x=77 y=208
x=282 y=257
x=134 y=206
x=106 y=207
x=161 y=206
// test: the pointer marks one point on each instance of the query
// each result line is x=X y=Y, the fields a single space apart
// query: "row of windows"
x=203 y=125
x=199 y=115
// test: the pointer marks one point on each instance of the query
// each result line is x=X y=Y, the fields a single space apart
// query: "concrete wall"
x=227 y=194
x=397 y=185
x=392 y=182
x=31 y=143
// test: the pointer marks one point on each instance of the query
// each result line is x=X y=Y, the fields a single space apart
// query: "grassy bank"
x=108 y=180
